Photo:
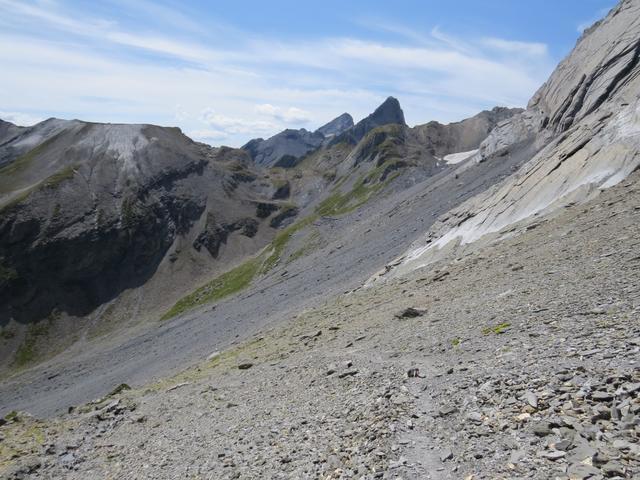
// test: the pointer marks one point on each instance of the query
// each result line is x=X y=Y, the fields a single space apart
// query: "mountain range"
x=92 y=211
x=367 y=300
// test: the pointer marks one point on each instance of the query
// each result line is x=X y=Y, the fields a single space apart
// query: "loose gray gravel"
x=520 y=360
x=362 y=241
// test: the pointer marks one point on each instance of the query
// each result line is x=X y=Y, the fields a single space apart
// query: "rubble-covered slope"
x=530 y=372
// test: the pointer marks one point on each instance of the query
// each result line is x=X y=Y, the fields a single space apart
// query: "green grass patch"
x=28 y=352
x=50 y=182
x=339 y=203
x=17 y=199
x=57 y=178
x=279 y=243
x=455 y=342
x=391 y=137
x=279 y=182
x=497 y=329
x=311 y=243
x=12 y=415
x=240 y=277
x=228 y=283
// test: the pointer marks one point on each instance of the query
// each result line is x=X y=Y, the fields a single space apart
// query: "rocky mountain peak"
x=337 y=125
x=388 y=112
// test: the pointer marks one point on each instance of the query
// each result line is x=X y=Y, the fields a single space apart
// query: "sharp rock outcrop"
x=336 y=126
x=389 y=112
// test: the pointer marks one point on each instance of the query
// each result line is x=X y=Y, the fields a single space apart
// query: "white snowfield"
x=454 y=158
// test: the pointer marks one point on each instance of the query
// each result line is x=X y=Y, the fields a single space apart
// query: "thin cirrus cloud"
x=530 y=49
x=63 y=63
x=288 y=115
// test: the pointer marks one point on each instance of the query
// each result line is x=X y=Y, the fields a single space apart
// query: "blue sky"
x=226 y=72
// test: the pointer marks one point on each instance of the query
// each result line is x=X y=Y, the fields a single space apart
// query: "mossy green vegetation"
x=36 y=334
x=240 y=277
x=11 y=416
x=23 y=436
x=119 y=389
x=497 y=329
x=311 y=243
x=17 y=199
x=52 y=181
x=339 y=203
x=383 y=142
x=60 y=176
x=279 y=243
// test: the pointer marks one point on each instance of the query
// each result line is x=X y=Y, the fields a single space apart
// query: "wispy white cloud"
x=287 y=115
x=231 y=90
x=532 y=49
x=224 y=123
x=452 y=42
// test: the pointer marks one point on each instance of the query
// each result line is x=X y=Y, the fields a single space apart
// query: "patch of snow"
x=577 y=179
x=454 y=158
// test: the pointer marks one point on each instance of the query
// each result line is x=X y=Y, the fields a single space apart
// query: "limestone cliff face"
x=582 y=130
x=464 y=135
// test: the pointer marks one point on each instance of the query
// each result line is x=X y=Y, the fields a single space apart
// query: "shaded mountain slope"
x=94 y=210
x=284 y=148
